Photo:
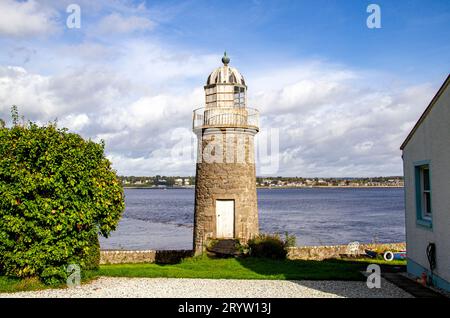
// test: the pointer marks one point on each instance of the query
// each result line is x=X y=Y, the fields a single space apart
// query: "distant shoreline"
x=324 y=187
x=280 y=187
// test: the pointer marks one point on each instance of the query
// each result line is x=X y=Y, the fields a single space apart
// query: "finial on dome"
x=225 y=58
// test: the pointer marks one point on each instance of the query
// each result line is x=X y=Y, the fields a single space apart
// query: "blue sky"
x=272 y=31
x=134 y=71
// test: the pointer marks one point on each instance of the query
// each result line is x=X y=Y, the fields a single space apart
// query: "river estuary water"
x=163 y=219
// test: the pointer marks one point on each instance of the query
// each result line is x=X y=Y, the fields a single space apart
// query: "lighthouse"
x=225 y=187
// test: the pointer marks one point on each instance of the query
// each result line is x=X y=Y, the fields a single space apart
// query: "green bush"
x=270 y=246
x=290 y=240
x=57 y=193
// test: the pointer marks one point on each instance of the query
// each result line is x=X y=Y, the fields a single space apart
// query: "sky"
x=336 y=98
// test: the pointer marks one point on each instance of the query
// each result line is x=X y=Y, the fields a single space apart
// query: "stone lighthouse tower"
x=225 y=188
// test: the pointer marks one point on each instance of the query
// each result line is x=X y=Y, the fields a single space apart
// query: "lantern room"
x=225 y=87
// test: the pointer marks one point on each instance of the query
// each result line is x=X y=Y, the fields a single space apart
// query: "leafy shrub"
x=289 y=240
x=270 y=245
x=211 y=243
x=57 y=193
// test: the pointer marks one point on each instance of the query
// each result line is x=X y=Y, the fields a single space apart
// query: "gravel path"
x=216 y=288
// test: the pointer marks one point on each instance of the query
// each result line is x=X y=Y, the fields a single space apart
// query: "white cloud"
x=75 y=122
x=29 y=91
x=333 y=120
x=363 y=147
x=160 y=67
x=48 y=97
x=26 y=18
x=115 y=24
x=340 y=125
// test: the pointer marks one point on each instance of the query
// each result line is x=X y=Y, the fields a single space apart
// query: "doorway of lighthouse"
x=224 y=218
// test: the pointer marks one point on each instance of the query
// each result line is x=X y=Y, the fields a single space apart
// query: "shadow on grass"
x=303 y=269
x=172 y=256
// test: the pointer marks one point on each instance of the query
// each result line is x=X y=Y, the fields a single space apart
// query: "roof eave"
x=426 y=112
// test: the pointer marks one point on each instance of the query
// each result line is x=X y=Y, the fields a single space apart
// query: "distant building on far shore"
x=426 y=165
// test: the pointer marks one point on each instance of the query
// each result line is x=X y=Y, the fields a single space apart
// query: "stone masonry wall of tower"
x=234 y=181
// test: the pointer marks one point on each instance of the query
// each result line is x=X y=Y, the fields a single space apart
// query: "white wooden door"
x=225 y=218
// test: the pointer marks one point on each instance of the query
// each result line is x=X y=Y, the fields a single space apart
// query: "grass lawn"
x=9 y=285
x=245 y=268
x=230 y=268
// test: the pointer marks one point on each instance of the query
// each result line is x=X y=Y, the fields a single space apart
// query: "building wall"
x=431 y=141
x=230 y=176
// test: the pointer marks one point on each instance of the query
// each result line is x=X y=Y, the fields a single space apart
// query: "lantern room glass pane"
x=239 y=96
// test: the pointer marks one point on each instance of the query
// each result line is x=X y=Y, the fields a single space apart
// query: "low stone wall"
x=300 y=252
x=335 y=251
x=148 y=256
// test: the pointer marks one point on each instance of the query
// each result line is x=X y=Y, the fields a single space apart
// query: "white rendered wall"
x=431 y=141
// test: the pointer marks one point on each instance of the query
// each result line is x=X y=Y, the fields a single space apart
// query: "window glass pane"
x=426 y=179
x=427 y=202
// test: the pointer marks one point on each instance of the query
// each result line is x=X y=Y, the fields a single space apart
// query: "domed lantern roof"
x=225 y=74
x=225 y=101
